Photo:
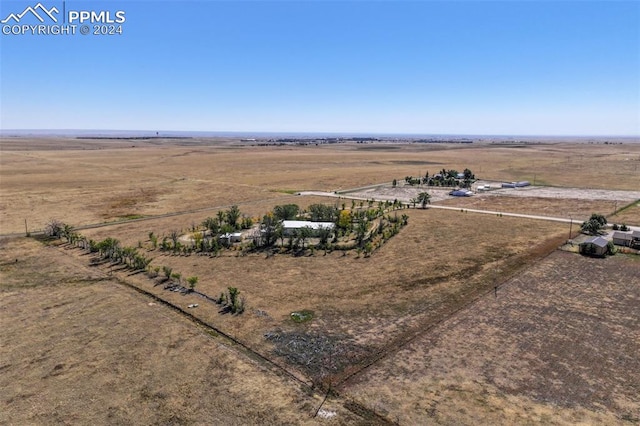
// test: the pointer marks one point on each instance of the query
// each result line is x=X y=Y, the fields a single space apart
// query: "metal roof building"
x=627 y=239
x=595 y=246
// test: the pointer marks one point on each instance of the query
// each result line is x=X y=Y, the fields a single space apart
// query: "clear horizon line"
x=58 y=131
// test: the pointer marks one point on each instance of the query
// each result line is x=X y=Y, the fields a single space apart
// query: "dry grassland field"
x=80 y=348
x=110 y=180
x=411 y=334
x=556 y=344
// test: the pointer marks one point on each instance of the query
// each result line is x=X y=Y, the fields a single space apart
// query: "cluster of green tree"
x=353 y=228
x=622 y=227
x=111 y=249
x=271 y=227
x=107 y=249
x=423 y=199
x=228 y=221
x=594 y=225
x=211 y=237
x=447 y=178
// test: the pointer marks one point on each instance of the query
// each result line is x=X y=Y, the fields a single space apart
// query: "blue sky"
x=427 y=67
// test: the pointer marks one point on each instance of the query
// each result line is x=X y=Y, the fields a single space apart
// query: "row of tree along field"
x=112 y=252
x=363 y=227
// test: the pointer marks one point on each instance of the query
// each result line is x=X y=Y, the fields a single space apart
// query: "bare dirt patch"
x=557 y=345
x=568 y=193
x=553 y=202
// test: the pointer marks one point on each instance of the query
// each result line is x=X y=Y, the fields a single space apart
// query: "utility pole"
x=570 y=225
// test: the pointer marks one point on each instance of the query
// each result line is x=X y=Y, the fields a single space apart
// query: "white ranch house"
x=289 y=226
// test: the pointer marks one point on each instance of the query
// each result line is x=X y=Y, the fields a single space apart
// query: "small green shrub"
x=302 y=316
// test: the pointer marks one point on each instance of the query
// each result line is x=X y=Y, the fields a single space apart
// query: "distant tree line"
x=446 y=178
x=112 y=251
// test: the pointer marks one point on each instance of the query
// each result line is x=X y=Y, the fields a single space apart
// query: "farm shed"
x=596 y=246
x=289 y=226
x=622 y=239
x=627 y=239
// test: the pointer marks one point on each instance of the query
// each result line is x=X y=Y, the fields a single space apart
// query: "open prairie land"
x=114 y=180
x=427 y=271
x=398 y=336
x=80 y=348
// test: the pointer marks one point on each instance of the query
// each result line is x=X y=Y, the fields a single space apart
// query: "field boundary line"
x=393 y=348
x=349 y=403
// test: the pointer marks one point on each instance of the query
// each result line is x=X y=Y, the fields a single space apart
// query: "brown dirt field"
x=107 y=180
x=425 y=271
x=629 y=216
x=364 y=307
x=79 y=348
x=558 y=345
x=578 y=209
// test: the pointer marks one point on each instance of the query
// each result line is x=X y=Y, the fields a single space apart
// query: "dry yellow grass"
x=79 y=348
x=432 y=266
x=366 y=307
x=628 y=216
x=552 y=207
x=112 y=179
